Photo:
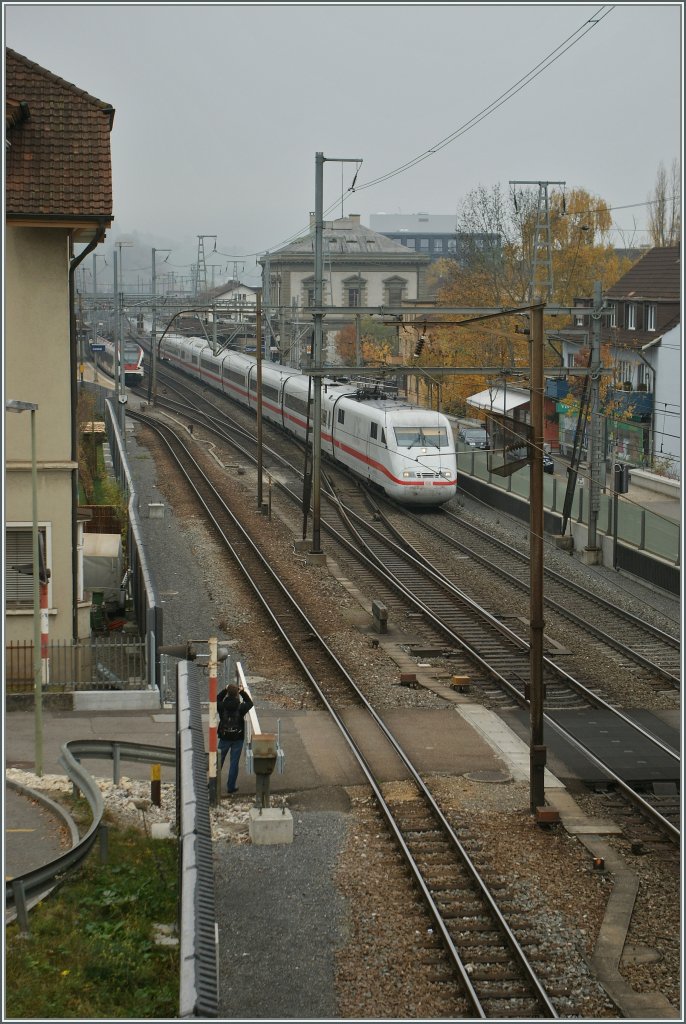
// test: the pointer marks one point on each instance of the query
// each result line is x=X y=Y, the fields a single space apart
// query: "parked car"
x=475 y=437
x=548 y=464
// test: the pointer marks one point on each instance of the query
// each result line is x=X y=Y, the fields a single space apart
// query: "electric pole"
x=152 y=378
x=592 y=552
x=537 y=750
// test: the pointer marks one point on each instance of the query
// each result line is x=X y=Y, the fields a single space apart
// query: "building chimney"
x=312 y=219
x=354 y=217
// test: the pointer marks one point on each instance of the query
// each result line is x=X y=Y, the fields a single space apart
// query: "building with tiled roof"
x=58 y=195
x=58 y=162
x=641 y=343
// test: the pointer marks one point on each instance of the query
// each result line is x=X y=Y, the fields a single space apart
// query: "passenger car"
x=475 y=437
x=548 y=464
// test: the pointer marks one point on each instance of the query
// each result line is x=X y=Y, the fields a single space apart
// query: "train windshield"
x=131 y=353
x=421 y=437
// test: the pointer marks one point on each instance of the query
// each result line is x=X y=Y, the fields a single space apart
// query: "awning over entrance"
x=500 y=400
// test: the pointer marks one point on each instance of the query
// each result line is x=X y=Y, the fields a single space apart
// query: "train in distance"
x=406 y=450
x=104 y=355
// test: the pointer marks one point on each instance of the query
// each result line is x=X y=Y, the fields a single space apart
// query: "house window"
x=578 y=320
x=571 y=359
x=643 y=377
x=309 y=292
x=410 y=243
x=438 y=245
x=624 y=369
x=650 y=317
x=631 y=316
x=612 y=316
x=353 y=296
x=19 y=551
x=424 y=244
x=452 y=245
x=395 y=289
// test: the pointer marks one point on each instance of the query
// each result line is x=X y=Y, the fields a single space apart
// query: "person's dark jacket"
x=229 y=703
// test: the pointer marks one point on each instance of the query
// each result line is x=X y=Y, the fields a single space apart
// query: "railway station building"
x=58 y=200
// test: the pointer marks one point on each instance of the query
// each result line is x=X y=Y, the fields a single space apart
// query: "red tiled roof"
x=656 y=276
x=58 y=163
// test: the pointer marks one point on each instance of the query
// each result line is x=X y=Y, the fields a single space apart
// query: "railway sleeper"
x=513 y=1008
x=457 y=912
x=495 y=974
x=515 y=989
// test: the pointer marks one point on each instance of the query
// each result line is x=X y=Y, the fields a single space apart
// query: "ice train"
x=407 y=451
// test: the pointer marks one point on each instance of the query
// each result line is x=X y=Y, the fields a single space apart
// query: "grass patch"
x=91 y=951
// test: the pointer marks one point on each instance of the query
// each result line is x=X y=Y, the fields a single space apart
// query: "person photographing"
x=233 y=704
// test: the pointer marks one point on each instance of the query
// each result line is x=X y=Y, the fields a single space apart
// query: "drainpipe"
x=73 y=358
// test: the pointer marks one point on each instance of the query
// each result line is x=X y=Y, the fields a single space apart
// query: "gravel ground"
x=338 y=924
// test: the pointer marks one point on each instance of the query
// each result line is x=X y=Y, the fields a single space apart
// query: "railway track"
x=499 y=652
x=640 y=642
x=489 y=962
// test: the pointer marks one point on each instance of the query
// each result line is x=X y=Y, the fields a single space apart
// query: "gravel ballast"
x=340 y=935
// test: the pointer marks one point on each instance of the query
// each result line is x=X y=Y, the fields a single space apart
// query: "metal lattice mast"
x=201 y=266
x=541 y=280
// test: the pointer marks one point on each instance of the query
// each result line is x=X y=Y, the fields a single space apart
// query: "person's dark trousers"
x=233 y=748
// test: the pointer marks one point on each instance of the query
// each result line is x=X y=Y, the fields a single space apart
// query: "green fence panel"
x=662 y=537
x=630 y=523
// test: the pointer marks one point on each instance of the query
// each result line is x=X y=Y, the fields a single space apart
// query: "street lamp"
x=14 y=405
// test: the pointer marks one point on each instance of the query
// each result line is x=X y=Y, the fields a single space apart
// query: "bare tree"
x=665 y=209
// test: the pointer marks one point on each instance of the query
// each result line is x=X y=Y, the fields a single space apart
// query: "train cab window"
x=421 y=437
x=373 y=430
x=383 y=436
x=341 y=415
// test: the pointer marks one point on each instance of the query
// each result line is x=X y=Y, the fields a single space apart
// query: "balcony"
x=638 y=405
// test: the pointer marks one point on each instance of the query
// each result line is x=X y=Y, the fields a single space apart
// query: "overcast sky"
x=221 y=108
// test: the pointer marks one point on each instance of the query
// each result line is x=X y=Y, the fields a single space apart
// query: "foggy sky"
x=220 y=109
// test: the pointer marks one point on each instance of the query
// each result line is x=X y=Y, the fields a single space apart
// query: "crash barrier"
x=198 y=982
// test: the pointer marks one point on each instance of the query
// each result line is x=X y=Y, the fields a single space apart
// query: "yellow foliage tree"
x=498 y=237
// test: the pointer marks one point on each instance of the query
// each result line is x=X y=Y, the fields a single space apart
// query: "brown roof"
x=656 y=276
x=58 y=163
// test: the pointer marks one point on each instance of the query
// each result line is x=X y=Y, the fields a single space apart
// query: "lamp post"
x=13 y=405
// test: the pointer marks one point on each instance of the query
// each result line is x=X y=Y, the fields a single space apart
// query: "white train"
x=106 y=359
x=407 y=451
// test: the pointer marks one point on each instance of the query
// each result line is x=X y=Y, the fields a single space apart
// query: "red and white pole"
x=212 y=739
x=44 y=627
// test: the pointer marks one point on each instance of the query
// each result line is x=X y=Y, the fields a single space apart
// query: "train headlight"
x=407 y=473
x=446 y=473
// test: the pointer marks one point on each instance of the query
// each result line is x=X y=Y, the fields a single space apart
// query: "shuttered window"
x=19 y=551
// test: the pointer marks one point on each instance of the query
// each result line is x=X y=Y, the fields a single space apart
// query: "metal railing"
x=637 y=527
x=147 y=606
x=113 y=662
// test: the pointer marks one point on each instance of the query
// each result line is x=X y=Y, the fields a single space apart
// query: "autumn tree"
x=665 y=206
x=498 y=235
x=377 y=342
